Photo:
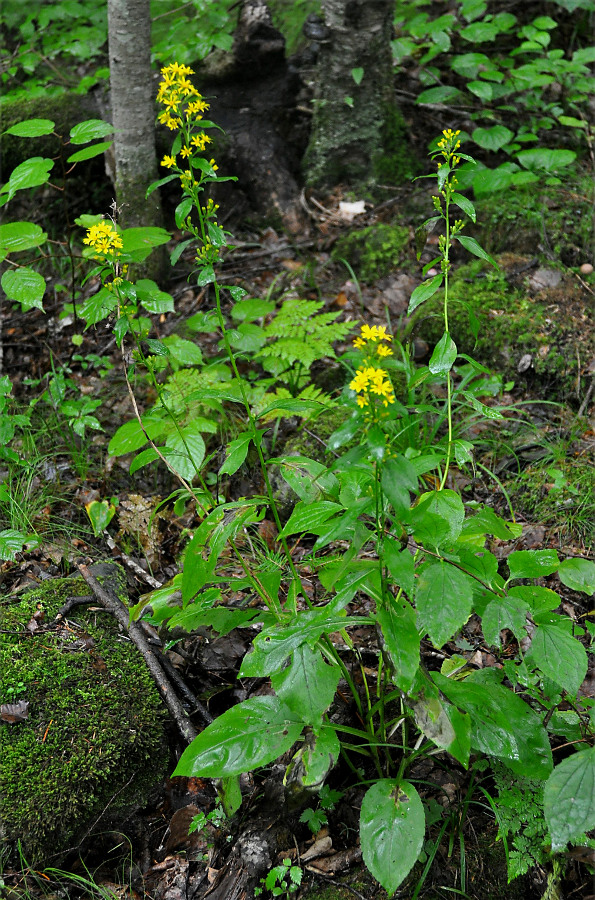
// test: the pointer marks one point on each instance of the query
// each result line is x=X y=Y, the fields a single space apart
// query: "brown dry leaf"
x=14 y=712
x=35 y=621
x=338 y=862
x=138 y=518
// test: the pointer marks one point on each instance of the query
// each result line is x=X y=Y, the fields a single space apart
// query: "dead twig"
x=137 y=635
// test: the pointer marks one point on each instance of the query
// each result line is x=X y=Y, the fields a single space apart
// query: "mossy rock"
x=549 y=325
x=374 y=251
x=93 y=745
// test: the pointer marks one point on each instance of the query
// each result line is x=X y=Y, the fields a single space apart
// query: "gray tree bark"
x=133 y=108
x=359 y=140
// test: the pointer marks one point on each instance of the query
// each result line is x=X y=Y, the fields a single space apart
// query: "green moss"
x=93 y=740
x=395 y=165
x=373 y=251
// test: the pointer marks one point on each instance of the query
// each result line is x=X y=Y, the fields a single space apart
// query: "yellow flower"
x=200 y=140
x=168 y=161
x=360 y=382
x=359 y=343
x=381 y=333
x=212 y=165
x=185 y=152
x=384 y=351
x=369 y=334
x=104 y=239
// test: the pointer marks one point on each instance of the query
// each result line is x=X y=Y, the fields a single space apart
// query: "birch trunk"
x=357 y=133
x=132 y=92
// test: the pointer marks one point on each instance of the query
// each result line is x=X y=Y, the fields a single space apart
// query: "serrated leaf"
x=399 y=640
x=532 y=563
x=31 y=128
x=25 y=286
x=578 y=574
x=502 y=725
x=306 y=516
x=560 y=656
x=472 y=246
x=15 y=236
x=392 y=829
x=90 y=130
x=443 y=598
x=307 y=685
x=251 y=734
x=569 y=798
x=424 y=291
x=89 y=152
x=30 y=173
x=98 y=306
x=504 y=612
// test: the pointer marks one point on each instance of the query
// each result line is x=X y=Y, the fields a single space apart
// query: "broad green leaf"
x=98 y=306
x=540 y=599
x=32 y=128
x=11 y=543
x=424 y=291
x=444 y=355
x=441 y=94
x=560 y=656
x=153 y=298
x=183 y=351
x=128 y=437
x=502 y=725
x=543 y=158
x=247 y=337
x=532 y=563
x=89 y=152
x=306 y=516
x=182 y=210
x=487 y=522
x=314 y=759
x=138 y=242
x=90 y=131
x=578 y=574
x=251 y=734
x=569 y=798
x=30 y=173
x=15 y=236
x=196 y=613
x=435 y=508
x=492 y=138
x=144 y=458
x=307 y=685
x=504 y=612
x=481 y=89
x=469 y=64
x=254 y=308
x=25 y=286
x=235 y=454
x=464 y=204
x=399 y=639
x=392 y=828
x=443 y=598
x=230 y=794
x=185 y=451
x=399 y=480
x=472 y=246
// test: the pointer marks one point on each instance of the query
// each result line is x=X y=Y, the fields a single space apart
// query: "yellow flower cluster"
x=369 y=378
x=448 y=144
x=372 y=380
x=104 y=239
x=182 y=103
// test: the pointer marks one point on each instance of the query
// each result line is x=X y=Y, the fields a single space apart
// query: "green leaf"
x=249 y=310
x=138 y=242
x=532 y=563
x=306 y=516
x=492 y=138
x=492 y=181
x=424 y=291
x=464 y=204
x=182 y=210
x=392 y=828
x=89 y=152
x=560 y=656
x=540 y=599
x=15 y=236
x=98 y=306
x=142 y=459
x=315 y=758
x=504 y=612
x=307 y=685
x=443 y=599
x=435 y=509
x=25 y=286
x=472 y=246
x=444 y=355
x=251 y=734
x=152 y=298
x=90 y=131
x=569 y=798
x=441 y=722
x=247 y=338
x=441 y=94
x=11 y=543
x=578 y=574
x=185 y=451
x=400 y=564
x=128 y=438
x=542 y=158
x=502 y=725
x=31 y=173
x=183 y=351
x=235 y=454
x=31 y=128
x=399 y=639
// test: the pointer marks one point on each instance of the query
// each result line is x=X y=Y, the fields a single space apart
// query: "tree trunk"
x=358 y=135
x=133 y=109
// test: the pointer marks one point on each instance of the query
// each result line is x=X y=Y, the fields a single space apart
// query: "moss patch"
x=374 y=251
x=550 y=325
x=93 y=740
